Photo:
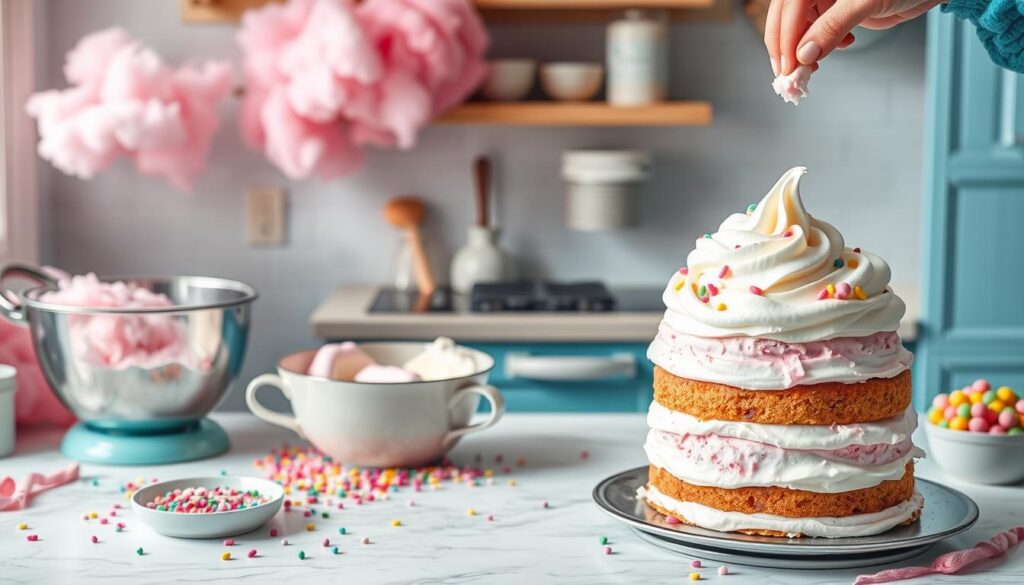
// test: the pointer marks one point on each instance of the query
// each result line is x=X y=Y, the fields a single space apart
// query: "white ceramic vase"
x=480 y=260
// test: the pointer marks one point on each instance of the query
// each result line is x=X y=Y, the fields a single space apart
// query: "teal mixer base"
x=203 y=439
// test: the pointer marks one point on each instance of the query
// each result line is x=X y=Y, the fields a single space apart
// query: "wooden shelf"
x=688 y=113
x=590 y=4
x=213 y=11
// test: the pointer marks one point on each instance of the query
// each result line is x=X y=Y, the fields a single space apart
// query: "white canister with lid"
x=602 y=186
x=8 y=380
x=637 y=54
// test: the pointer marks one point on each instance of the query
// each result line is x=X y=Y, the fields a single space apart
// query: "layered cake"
x=781 y=387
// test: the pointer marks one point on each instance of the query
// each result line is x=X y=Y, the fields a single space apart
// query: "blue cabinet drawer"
x=571 y=377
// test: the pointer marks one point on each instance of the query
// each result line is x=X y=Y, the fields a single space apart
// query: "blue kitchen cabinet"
x=973 y=321
x=571 y=377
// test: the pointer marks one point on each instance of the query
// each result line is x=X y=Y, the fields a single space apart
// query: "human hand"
x=804 y=31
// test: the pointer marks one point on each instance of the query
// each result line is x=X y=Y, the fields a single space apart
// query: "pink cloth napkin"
x=953 y=562
x=14 y=497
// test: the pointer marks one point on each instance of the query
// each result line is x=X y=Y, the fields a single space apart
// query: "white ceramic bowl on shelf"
x=976 y=457
x=509 y=80
x=571 y=82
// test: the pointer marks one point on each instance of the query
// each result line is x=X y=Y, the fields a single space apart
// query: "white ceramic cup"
x=8 y=380
x=384 y=424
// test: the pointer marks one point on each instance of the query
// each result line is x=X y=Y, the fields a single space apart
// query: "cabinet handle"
x=569 y=368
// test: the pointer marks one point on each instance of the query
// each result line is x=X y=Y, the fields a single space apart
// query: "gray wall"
x=859 y=133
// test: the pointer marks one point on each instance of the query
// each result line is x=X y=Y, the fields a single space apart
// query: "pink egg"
x=996 y=430
x=981 y=385
x=978 y=425
x=1020 y=406
x=941 y=401
x=1008 y=418
x=950 y=412
x=978 y=410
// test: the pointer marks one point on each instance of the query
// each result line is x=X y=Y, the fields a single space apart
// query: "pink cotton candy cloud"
x=124 y=101
x=324 y=77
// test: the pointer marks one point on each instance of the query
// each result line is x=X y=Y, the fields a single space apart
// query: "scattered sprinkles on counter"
x=723 y=570
x=604 y=540
x=139 y=551
x=251 y=554
x=695 y=576
x=94 y=539
x=365 y=540
x=607 y=550
x=695 y=564
x=32 y=538
x=22 y=526
x=226 y=556
x=302 y=555
x=980 y=409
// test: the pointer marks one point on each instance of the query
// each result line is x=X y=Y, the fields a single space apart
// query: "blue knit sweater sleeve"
x=1000 y=26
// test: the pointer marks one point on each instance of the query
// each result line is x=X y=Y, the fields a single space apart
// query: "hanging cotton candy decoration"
x=325 y=77
x=124 y=101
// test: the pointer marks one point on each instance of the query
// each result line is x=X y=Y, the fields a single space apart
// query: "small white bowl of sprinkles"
x=207 y=507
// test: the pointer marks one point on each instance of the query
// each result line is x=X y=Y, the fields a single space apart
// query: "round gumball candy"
x=943 y=424
x=978 y=410
x=996 y=430
x=975 y=397
x=1020 y=406
x=935 y=415
x=988 y=396
x=1008 y=418
x=941 y=401
x=996 y=405
x=958 y=424
x=964 y=411
x=957 y=397
x=1006 y=394
x=949 y=413
x=991 y=416
x=980 y=385
x=1015 y=431
x=978 y=425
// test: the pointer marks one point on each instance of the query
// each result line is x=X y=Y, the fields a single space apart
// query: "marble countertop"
x=343 y=315
x=438 y=542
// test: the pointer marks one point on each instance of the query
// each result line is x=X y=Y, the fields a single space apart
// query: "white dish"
x=217 y=524
x=976 y=457
x=571 y=82
x=509 y=80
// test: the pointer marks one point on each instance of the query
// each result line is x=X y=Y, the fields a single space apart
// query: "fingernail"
x=808 y=53
x=775 y=65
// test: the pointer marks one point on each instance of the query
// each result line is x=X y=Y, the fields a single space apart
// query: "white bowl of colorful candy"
x=975 y=434
x=207 y=507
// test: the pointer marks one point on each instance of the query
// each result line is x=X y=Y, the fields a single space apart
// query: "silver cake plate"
x=946 y=513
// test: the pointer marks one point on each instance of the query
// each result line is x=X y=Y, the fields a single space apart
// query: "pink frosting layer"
x=730 y=462
x=755 y=363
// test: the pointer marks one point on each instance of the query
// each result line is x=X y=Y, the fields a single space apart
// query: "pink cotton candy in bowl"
x=136 y=353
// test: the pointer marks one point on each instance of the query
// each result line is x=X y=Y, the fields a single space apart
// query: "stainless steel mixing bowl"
x=211 y=315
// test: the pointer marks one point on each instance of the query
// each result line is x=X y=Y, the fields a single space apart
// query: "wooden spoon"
x=482 y=174
x=407 y=213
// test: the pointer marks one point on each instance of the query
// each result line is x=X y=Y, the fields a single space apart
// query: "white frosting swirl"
x=791 y=257
x=887 y=432
x=828 y=527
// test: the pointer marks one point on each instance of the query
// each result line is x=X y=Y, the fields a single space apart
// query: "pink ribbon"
x=13 y=497
x=953 y=562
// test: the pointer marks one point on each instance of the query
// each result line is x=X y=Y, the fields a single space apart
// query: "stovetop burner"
x=522 y=296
